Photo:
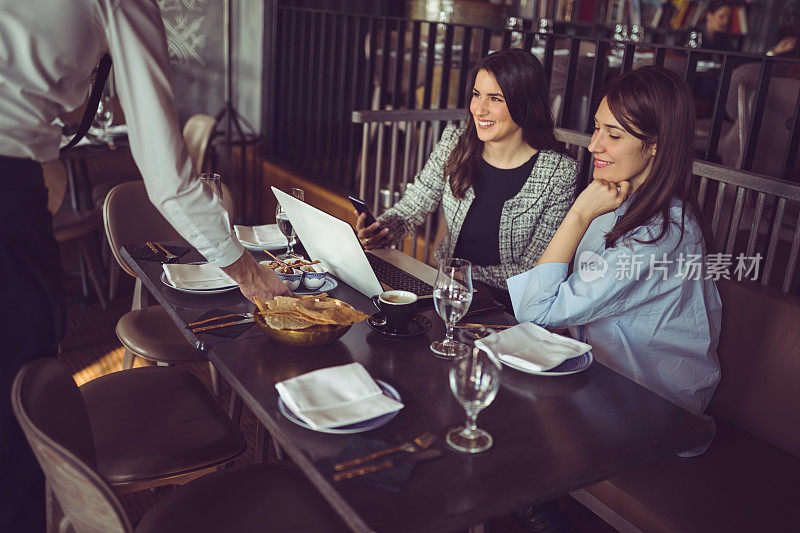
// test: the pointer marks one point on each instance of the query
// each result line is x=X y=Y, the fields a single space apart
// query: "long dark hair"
x=655 y=106
x=521 y=78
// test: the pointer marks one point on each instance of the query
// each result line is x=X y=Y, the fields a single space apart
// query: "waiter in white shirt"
x=47 y=53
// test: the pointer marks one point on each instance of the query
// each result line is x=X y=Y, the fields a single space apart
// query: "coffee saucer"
x=419 y=325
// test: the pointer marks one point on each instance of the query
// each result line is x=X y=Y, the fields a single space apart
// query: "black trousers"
x=32 y=319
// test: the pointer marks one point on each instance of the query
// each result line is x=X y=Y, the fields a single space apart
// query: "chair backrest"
x=50 y=409
x=131 y=219
x=55 y=179
x=197 y=134
x=758 y=353
x=391 y=166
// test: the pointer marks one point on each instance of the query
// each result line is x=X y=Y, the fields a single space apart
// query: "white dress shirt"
x=48 y=50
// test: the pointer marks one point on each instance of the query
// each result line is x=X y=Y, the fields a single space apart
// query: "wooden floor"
x=91 y=349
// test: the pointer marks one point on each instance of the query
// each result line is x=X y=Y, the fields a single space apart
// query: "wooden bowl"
x=313 y=336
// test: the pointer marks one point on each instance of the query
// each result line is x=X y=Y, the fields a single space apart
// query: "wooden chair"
x=78 y=227
x=197 y=133
x=147 y=331
x=58 y=420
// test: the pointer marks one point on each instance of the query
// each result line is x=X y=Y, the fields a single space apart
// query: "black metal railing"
x=328 y=64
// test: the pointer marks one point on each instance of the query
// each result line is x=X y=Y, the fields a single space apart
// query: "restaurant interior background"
x=301 y=68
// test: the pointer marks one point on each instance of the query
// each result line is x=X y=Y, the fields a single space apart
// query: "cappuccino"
x=398 y=297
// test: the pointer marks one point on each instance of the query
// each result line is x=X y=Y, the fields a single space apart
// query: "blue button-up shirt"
x=646 y=309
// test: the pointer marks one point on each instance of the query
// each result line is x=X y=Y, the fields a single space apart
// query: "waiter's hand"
x=373 y=236
x=255 y=280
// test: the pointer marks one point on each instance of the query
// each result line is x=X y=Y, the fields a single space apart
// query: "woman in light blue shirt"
x=639 y=293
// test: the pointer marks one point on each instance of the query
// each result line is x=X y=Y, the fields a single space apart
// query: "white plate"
x=220 y=290
x=573 y=365
x=358 y=427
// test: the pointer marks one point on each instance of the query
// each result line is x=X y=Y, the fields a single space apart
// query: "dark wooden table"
x=552 y=434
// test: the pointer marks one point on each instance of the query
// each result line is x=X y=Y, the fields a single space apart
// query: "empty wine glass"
x=474 y=380
x=515 y=23
x=285 y=225
x=452 y=295
x=104 y=116
x=213 y=181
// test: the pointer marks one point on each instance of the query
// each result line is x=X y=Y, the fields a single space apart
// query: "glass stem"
x=448 y=335
x=472 y=421
x=289 y=246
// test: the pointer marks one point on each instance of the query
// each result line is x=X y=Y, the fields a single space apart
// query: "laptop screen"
x=331 y=241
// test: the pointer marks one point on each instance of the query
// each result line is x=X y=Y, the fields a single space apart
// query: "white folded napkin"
x=336 y=396
x=532 y=347
x=263 y=235
x=197 y=276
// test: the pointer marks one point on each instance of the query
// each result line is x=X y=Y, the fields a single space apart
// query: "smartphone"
x=361 y=207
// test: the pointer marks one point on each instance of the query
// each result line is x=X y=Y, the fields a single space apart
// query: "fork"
x=170 y=256
x=417 y=444
x=242 y=315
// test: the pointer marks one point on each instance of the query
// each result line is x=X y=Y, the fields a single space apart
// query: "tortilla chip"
x=286 y=322
x=261 y=304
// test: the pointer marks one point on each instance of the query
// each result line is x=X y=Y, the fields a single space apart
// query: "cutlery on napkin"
x=532 y=347
x=262 y=235
x=336 y=396
x=391 y=463
x=202 y=276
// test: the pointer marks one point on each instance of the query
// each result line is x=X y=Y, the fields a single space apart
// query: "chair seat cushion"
x=251 y=498
x=150 y=333
x=740 y=484
x=151 y=422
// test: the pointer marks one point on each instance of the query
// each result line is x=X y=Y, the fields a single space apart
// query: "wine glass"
x=695 y=39
x=474 y=380
x=285 y=225
x=213 y=181
x=452 y=295
x=104 y=116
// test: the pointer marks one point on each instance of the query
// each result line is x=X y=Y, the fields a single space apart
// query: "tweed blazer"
x=527 y=222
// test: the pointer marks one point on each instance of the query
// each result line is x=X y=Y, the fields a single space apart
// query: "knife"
x=410 y=458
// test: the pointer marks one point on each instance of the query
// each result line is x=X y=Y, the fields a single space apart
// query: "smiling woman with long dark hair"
x=638 y=293
x=504 y=181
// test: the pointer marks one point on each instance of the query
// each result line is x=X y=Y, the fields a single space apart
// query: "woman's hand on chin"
x=599 y=198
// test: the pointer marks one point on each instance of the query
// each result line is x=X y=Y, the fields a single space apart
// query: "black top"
x=479 y=240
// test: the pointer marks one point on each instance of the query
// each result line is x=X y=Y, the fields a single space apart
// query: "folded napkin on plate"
x=197 y=276
x=532 y=347
x=336 y=396
x=263 y=235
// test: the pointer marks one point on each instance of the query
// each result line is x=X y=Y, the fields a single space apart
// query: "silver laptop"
x=333 y=242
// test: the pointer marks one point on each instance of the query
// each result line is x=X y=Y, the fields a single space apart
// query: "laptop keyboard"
x=397 y=278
